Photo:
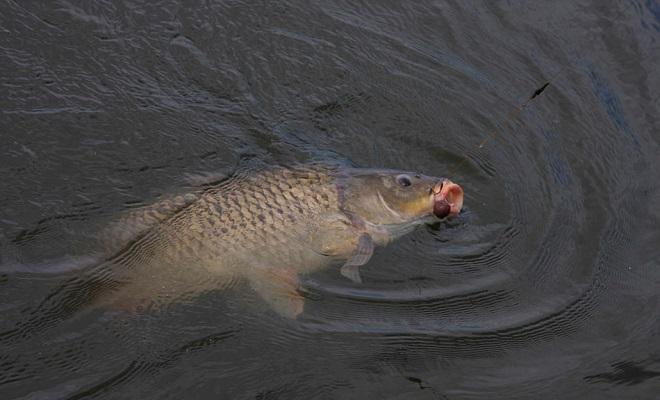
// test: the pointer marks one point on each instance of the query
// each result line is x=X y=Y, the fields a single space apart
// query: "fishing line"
x=517 y=110
x=511 y=116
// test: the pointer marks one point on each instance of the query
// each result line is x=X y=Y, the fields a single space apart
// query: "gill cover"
x=386 y=198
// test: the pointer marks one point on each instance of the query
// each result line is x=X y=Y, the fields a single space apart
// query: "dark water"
x=547 y=286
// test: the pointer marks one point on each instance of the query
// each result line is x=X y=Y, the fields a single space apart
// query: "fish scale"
x=267 y=228
x=254 y=214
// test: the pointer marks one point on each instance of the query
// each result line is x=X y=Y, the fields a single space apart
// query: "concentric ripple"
x=545 y=286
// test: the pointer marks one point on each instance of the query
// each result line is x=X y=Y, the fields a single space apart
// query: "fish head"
x=397 y=198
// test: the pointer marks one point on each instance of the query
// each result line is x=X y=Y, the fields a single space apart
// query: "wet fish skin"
x=270 y=226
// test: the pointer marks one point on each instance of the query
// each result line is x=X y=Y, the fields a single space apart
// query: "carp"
x=270 y=226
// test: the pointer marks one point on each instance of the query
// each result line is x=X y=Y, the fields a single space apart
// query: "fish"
x=269 y=227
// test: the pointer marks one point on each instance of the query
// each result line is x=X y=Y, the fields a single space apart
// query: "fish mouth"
x=447 y=199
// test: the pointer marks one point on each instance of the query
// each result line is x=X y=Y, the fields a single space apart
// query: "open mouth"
x=447 y=199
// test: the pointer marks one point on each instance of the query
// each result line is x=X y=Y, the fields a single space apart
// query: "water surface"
x=546 y=286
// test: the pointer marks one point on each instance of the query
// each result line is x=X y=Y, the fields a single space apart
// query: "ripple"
x=555 y=256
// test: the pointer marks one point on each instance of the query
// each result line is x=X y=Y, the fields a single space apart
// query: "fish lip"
x=447 y=194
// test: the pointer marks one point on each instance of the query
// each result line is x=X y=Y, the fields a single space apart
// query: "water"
x=546 y=286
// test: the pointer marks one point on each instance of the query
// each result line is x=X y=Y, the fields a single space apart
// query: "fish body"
x=268 y=227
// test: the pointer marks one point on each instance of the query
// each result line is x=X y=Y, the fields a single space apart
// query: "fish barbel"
x=270 y=226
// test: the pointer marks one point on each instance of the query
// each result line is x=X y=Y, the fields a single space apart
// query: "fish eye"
x=404 y=180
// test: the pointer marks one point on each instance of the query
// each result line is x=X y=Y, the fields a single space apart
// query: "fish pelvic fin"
x=365 y=249
x=279 y=289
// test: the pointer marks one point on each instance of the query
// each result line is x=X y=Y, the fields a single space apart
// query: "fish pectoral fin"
x=279 y=288
x=352 y=272
x=365 y=249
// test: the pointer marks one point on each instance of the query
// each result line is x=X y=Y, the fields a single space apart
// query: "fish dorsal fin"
x=365 y=249
x=224 y=179
x=136 y=222
x=206 y=178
